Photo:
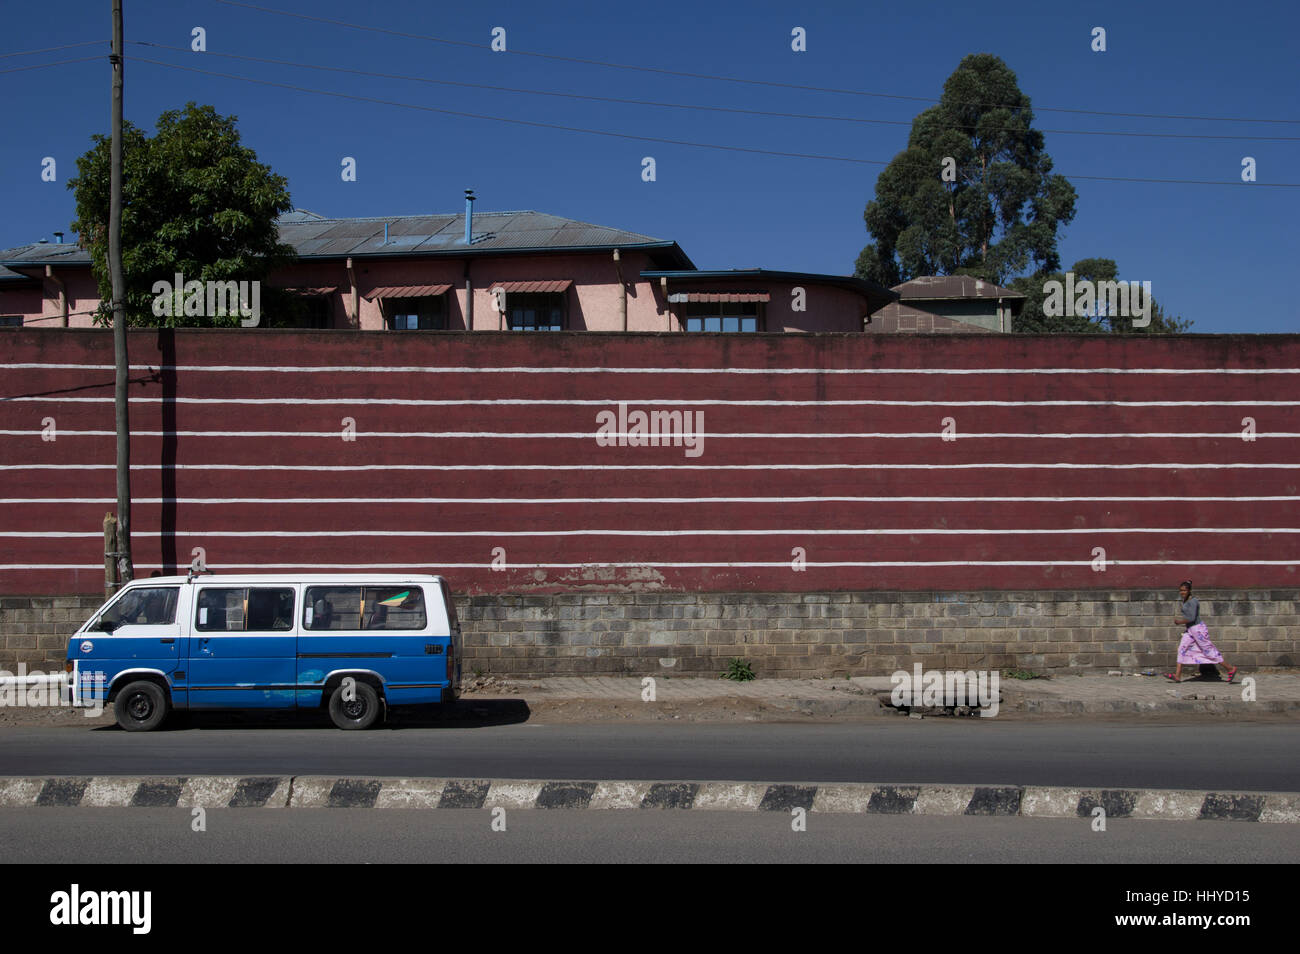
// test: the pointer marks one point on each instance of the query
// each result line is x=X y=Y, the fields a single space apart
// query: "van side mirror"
x=106 y=625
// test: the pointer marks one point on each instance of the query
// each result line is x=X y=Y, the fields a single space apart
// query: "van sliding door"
x=243 y=648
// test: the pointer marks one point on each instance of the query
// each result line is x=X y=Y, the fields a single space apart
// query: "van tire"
x=361 y=713
x=141 y=706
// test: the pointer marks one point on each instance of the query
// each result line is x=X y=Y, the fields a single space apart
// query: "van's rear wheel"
x=361 y=711
x=140 y=706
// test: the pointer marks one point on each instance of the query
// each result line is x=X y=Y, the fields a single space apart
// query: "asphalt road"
x=1226 y=757
x=112 y=836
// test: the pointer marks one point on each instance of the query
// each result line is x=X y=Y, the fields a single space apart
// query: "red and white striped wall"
x=828 y=462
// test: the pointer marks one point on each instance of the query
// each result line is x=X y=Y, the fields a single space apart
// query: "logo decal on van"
x=87 y=646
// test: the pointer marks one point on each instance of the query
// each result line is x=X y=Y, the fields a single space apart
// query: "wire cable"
x=656 y=139
x=42 y=66
x=693 y=106
x=52 y=49
x=735 y=79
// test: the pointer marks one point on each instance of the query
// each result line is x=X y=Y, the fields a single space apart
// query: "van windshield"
x=143 y=606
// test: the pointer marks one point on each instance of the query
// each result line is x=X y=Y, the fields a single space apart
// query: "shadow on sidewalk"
x=475 y=714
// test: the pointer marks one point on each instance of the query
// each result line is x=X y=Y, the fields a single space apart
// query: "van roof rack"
x=196 y=570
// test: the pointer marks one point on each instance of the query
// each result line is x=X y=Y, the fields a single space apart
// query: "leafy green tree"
x=997 y=212
x=195 y=201
x=1033 y=318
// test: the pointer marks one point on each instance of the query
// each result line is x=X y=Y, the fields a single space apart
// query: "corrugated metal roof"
x=446 y=233
x=932 y=287
x=313 y=236
x=543 y=287
x=405 y=291
x=46 y=253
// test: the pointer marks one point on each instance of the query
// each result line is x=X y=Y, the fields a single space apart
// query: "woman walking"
x=1195 y=648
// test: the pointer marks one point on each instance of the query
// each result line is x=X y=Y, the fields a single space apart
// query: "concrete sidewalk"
x=1272 y=692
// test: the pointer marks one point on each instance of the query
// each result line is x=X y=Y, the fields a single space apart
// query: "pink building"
x=517 y=271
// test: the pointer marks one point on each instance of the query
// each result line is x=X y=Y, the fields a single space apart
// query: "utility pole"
x=125 y=569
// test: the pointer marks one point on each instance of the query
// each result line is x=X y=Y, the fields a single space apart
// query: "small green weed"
x=738 y=670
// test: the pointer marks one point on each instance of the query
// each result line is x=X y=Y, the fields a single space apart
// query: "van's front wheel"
x=359 y=712
x=140 y=706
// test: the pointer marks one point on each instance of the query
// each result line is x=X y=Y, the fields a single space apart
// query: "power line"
x=71 y=314
x=51 y=49
x=736 y=79
x=693 y=106
x=654 y=139
x=517 y=122
x=42 y=66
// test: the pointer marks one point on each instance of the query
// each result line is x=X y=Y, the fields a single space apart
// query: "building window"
x=535 y=312
x=416 y=314
x=735 y=316
x=11 y=321
x=305 y=311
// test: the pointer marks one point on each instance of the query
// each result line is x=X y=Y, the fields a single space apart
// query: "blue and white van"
x=355 y=644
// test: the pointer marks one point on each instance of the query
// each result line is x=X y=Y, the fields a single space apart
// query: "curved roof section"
x=876 y=295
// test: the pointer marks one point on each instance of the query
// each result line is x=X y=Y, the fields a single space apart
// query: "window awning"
x=680 y=297
x=534 y=288
x=406 y=291
x=314 y=291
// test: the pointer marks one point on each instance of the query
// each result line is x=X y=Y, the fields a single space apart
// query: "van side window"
x=144 y=606
x=270 y=610
x=394 y=607
x=369 y=607
x=332 y=607
x=240 y=609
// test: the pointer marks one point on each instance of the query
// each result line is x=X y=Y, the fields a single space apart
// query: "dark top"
x=1190 y=611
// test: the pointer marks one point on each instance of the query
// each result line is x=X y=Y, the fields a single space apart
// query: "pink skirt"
x=1196 y=649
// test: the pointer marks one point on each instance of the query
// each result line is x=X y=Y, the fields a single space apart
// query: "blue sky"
x=1221 y=255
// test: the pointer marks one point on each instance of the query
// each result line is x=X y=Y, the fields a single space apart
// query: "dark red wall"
x=189 y=492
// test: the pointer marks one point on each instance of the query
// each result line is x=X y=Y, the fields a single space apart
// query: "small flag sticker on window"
x=397 y=600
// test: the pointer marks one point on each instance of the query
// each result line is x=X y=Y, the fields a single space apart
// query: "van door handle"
x=167 y=642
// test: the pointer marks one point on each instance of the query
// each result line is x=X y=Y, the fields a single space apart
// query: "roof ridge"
x=424 y=215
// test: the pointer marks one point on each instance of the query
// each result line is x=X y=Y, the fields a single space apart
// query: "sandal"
x=1232 y=673
x=1171 y=677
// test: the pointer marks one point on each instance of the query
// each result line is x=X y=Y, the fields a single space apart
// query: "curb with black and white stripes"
x=854 y=798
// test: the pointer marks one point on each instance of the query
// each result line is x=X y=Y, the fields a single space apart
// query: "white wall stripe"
x=366 y=369
x=639 y=402
x=278 y=501
x=784 y=564
x=311 y=468
x=666 y=440
x=866 y=531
